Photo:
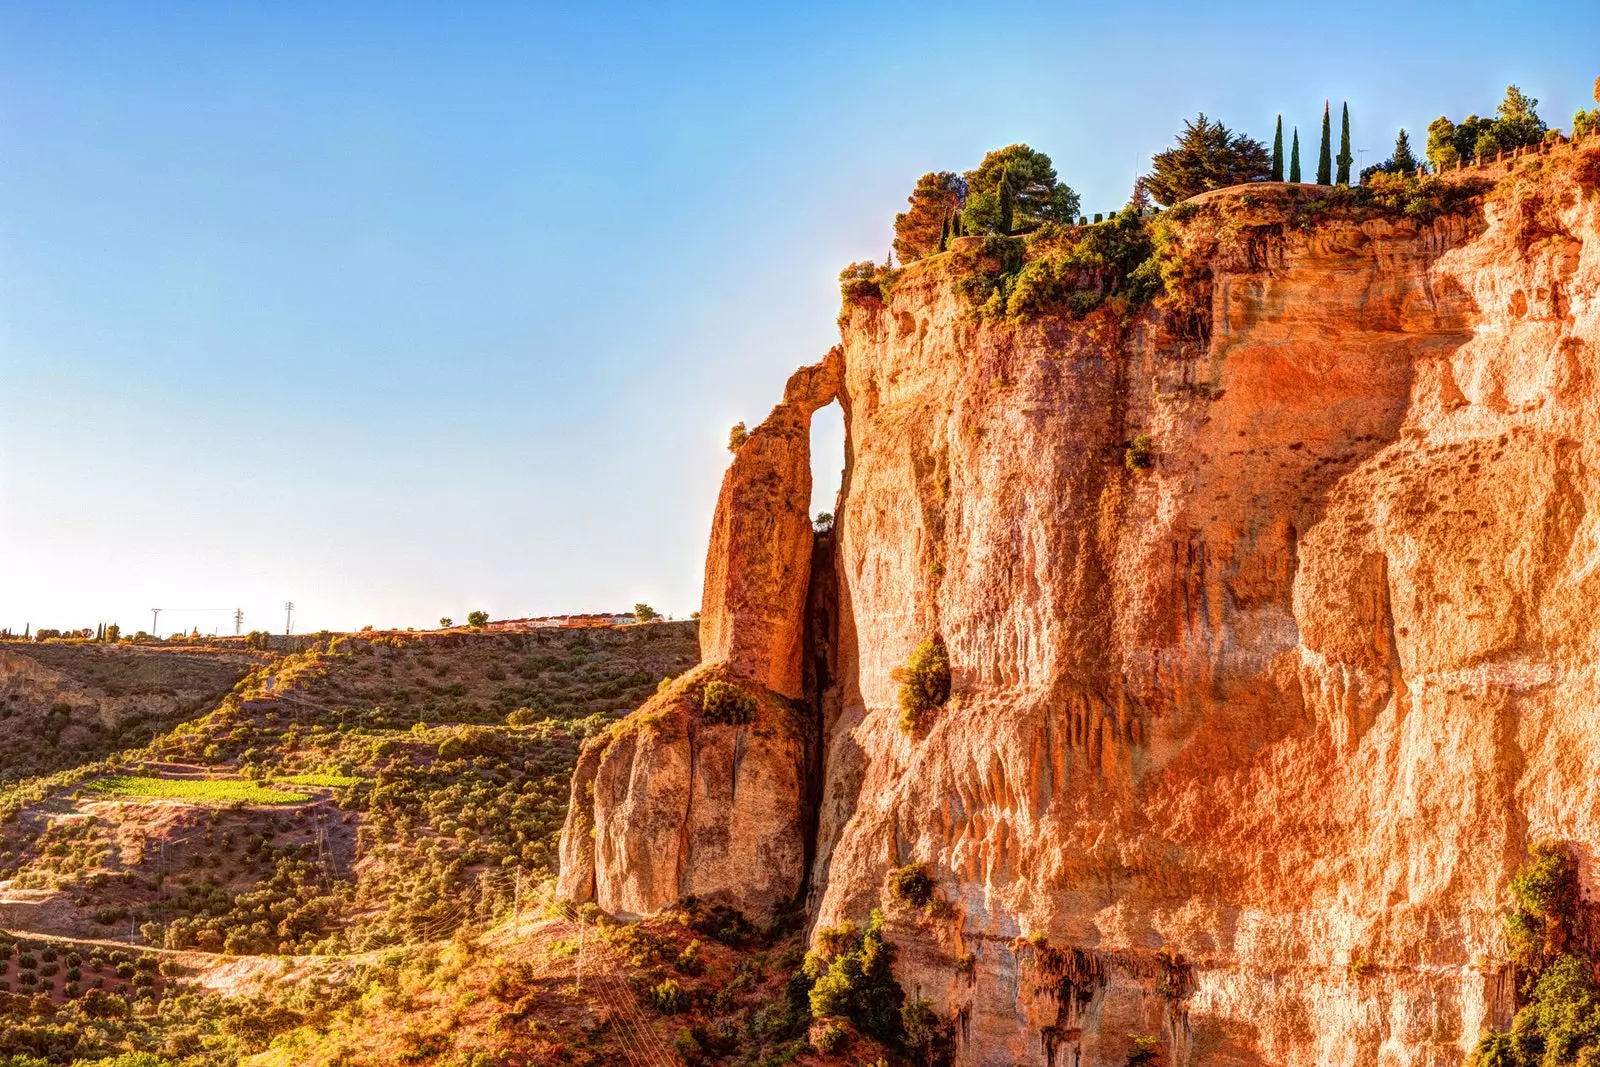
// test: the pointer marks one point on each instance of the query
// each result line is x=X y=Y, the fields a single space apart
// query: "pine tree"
x=1404 y=161
x=1345 y=158
x=1005 y=201
x=944 y=233
x=1277 y=152
x=1294 y=157
x=1325 y=155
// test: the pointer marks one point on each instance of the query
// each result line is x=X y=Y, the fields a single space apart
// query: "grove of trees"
x=1014 y=190
x=1208 y=155
x=1516 y=124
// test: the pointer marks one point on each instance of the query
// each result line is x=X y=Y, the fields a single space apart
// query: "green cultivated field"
x=326 y=781
x=194 y=790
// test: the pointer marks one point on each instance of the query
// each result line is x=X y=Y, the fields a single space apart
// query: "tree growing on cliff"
x=1036 y=195
x=737 y=437
x=852 y=975
x=477 y=618
x=1277 y=151
x=1559 y=1022
x=1325 y=153
x=1441 y=145
x=1400 y=161
x=1517 y=123
x=1587 y=123
x=1207 y=156
x=924 y=683
x=645 y=613
x=1294 y=158
x=917 y=230
x=1344 y=158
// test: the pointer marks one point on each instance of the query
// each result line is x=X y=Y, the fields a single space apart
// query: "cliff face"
x=1241 y=748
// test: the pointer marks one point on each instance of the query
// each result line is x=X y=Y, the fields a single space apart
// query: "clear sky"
x=402 y=310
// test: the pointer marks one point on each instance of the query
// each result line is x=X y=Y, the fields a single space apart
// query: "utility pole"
x=288 y=618
x=238 y=621
x=155 y=614
x=516 y=899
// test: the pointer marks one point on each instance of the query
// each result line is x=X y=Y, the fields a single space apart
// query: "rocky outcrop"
x=1242 y=747
x=672 y=804
x=758 y=565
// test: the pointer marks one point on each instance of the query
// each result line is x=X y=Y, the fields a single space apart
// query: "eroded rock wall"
x=1243 y=747
x=1264 y=729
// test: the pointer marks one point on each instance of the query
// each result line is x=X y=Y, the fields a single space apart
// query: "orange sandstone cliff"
x=1242 y=747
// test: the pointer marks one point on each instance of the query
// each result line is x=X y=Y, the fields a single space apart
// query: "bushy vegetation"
x=727 y=704
x=934 y=202
x=1015 y=189
x=1516 y=125
x=924 y=684
x=911 y=886
x=866 y=284
x=1547 y=934
x=850 y=971
x=122 y=697
x=1396 y=195
x=1207 y=156
x=1400 y=161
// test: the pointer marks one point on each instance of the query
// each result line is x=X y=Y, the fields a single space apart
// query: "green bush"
x=925 y=1034
x=668 y=997
x=853 y=977
x=924 y=683
x=1560 y=1021
x=911 y=886
x=723 y=702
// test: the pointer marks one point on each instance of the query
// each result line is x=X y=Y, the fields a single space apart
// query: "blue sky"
x=403 y=310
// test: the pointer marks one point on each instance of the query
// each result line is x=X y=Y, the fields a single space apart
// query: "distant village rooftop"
x=565 y=622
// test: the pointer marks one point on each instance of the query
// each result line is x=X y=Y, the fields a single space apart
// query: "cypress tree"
x=1294 y=157
x=957 y=227
x=1005 y=201
x=1325 y=155
x=1345 y=158
x=944 y=232
x=1277 y=152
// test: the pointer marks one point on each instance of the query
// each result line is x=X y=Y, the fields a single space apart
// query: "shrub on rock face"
x=853 y=978
x=722 y=702
x=924 y=683
x=1560 y=1022
x=911 y=886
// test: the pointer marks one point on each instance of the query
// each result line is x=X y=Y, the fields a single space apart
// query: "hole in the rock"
x=827 y=458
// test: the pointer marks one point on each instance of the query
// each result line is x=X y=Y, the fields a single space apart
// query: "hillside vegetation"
x=368 y=794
